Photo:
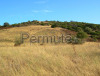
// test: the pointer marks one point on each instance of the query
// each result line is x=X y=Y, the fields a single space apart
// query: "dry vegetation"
x=47 y=59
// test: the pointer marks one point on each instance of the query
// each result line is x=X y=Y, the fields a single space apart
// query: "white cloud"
x=42 y=11
x=47 y=11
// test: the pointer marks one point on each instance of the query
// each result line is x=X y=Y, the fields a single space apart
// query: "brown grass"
x=47 y=59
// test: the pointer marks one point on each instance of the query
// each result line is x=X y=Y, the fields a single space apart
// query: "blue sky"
x=16 y=11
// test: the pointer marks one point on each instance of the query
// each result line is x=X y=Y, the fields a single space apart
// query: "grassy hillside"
x=87 y=31
x=47 y=59
x=9 y=35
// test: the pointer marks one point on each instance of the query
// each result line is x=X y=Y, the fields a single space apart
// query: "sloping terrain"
x=47 y=59
x=9 y=35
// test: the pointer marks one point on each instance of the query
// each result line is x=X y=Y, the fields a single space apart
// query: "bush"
x=42 y=23
x=82 y=35
x=17 y=41
x=79 y=29
x=88 y=30
x=75 y=40
x=64 y=26
x=95 y=39
x=0 y=26
x=69 y=27
x=54 y=25
x=6 y=24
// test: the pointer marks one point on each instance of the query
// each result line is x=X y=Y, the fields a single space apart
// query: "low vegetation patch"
x=17 y=41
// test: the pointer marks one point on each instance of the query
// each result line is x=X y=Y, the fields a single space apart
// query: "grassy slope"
x=46 y=60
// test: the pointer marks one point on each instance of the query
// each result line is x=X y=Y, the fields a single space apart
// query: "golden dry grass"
x=47 y=59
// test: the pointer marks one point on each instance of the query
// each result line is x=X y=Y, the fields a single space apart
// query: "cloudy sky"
x=16 y=11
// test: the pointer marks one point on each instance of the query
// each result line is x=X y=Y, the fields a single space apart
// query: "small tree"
x=88 y=30
x=82 y=35
x=42 y=23
x=0 y=26
x=54 y=25
x=79 y=29
x=6 y=24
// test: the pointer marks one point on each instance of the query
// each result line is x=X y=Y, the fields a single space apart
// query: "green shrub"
x=75 y=40
x=17 y=41
x=95 y=39
x=69 y=27
x=6 y=24
x=88 y=30
x=79 y=29
x=64 y=26
x=54 y=25
x=82 y=35
x=42 y=23
x=0 y=26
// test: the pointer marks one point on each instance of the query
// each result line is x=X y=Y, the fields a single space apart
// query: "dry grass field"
x=47 y=59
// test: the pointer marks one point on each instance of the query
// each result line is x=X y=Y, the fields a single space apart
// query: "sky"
x=16 y=11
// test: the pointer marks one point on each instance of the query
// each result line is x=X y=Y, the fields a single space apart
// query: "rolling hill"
x=47 y=59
